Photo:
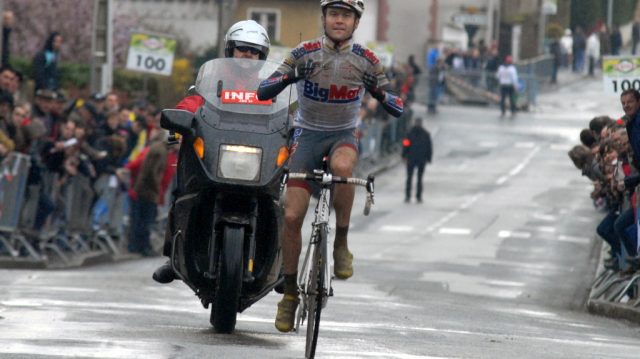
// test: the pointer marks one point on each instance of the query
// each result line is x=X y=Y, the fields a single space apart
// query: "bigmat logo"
x=243 y=98
x=333 y=94
x=366 y=53
x=306 y=48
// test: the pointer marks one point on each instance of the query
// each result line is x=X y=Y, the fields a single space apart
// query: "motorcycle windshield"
x=231 y=85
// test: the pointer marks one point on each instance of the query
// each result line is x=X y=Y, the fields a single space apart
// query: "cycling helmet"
x=247 y=33
x=355 y=5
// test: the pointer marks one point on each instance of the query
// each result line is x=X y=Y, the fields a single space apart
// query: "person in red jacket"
x=244 y=40
x=151 y=173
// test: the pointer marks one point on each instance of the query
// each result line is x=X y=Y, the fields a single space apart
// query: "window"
x=269 y=19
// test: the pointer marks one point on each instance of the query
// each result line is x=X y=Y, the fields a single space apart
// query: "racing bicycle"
x=314 y=280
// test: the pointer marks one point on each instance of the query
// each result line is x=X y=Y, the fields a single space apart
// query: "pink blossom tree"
x=36 y=19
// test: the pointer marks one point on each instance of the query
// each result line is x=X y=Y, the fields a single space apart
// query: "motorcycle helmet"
x=356 y=5
x=247 y=33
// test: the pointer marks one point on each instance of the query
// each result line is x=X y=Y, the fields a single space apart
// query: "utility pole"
x=433 y=23
x=226 y=10
x=609 y=14
x=491 y=18
x=102 y=47
x=542 y=23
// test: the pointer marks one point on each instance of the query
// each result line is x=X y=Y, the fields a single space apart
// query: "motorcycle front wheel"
x=229 y=283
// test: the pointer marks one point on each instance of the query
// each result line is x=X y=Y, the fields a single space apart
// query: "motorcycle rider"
x=244 y=40
x=331 y=74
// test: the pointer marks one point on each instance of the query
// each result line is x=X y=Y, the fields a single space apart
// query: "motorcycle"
x=226 y=217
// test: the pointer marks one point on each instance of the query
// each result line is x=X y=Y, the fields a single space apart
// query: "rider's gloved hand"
x=302 y=71
x=370 y=82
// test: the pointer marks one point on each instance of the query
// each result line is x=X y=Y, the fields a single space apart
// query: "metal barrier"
x=481 y=87
x=14 y=171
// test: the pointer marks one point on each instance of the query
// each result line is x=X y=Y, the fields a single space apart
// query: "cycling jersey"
x=330 y=98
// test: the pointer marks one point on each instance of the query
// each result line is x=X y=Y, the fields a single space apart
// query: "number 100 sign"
x=150 y=53
x=620 y=73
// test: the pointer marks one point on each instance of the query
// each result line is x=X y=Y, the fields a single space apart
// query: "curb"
x=614 y=310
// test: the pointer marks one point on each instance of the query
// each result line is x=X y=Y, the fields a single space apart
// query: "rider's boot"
x=164 y=274
x=342 y=258
x=285 y=318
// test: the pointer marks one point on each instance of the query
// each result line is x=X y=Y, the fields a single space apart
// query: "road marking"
x=517 y=169
x=509 y=234
x=466 y=204
x=572 y=239
x=525 y=145
x=505 y=283
x=488 y=144
x=362 y=354
x=545 y=217
x=559 y=147
x=455 y=231
x=546 y=229
x=397 y=228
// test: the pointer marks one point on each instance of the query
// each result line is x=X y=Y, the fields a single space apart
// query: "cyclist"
x=244 y=40
x=331 y=74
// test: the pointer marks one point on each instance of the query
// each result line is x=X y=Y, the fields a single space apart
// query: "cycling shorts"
x=309 y=147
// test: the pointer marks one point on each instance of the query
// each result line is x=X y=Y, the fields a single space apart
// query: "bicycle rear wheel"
x=316 y=292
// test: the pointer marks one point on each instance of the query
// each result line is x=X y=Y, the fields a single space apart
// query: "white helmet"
x=247 y=33
x=355 y=5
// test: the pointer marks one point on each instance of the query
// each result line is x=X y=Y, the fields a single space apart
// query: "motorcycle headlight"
x=240 y=162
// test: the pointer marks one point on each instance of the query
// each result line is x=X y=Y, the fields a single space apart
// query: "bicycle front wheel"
x=316 y=291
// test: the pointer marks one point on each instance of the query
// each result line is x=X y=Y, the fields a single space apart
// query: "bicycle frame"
x=322 y=214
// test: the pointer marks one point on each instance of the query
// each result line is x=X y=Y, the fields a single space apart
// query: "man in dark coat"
x=417 y=152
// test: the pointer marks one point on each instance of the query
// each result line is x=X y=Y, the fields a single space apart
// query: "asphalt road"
x=496 y=263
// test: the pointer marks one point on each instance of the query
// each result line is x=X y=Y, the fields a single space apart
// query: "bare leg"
x=296 y=205
x=343 y=161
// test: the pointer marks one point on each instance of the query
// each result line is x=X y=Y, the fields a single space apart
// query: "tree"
x=36 y=19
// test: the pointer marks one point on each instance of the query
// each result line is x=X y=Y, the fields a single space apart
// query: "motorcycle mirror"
x=177 y=120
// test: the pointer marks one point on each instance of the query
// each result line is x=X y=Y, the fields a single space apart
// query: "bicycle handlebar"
x=327 y=179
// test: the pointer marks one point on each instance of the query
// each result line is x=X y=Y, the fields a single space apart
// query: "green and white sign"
x=151 y=53
x=620 y=73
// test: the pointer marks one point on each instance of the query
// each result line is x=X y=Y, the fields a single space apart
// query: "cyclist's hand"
x=370 y=82
x=302 y=71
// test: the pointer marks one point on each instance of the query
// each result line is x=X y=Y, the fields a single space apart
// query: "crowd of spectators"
x=80 y=148
x=609 y=156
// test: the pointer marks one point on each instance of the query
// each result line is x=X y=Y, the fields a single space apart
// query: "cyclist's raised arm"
x=378 y=86
x=290 y=71
x=272 y=86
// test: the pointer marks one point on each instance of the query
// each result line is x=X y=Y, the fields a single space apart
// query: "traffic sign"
x=620 y=73
x=151 y=53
